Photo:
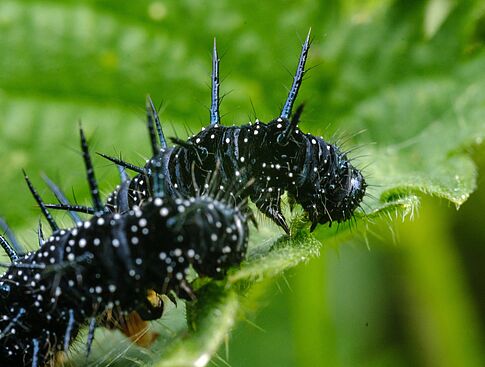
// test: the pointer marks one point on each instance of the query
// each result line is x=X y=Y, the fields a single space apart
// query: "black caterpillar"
x=260 y=161
x=109 y=264
x=278 y=156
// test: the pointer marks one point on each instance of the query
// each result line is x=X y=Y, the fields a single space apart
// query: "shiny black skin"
x=109 y=263
x=260 y=161
x=249 y=161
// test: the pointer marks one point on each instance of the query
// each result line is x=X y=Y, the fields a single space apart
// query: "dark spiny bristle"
x=122 y=163
x=61 y=197
x=93 y=184
x=277 y=156
x=185 y=209
x=11 y=253
x=297 y=80
x=17 y=247
x=112 y=261
x=41 y=204
x=215 y=117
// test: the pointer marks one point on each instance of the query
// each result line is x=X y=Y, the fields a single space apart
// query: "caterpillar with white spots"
x=108 y=265
x=77 y=287
x=277 y=155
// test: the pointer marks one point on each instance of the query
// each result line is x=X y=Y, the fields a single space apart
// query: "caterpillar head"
x=332 y=188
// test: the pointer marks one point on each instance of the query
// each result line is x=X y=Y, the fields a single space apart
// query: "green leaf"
x=211 y=317
x=411 y=77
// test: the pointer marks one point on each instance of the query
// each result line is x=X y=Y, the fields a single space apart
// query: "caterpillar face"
x=333 y=188
x=316 y=174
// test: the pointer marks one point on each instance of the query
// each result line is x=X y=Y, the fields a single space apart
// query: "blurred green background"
x=400 y=293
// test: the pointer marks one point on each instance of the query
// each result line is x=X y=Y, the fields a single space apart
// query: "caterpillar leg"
x=275 y=214
x=271 y=207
